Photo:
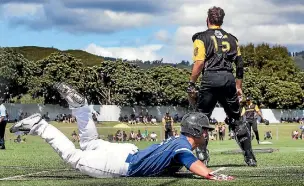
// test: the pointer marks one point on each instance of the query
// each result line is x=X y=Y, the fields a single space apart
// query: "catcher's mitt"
x=192 y=94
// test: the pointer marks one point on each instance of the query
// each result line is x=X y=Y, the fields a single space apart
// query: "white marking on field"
x=218 y=170
x=32 y=174
x=23 y=175
x=263 y=168
x=32 y=168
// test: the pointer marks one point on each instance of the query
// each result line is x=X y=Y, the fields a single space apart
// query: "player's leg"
x=95 y=163
x=35 y=125
x=87 y=129
x=231 y=105
x=2 y=134
x=206 y=103
x=255 y=130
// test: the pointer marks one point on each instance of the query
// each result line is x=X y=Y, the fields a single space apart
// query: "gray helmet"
x=193 y=124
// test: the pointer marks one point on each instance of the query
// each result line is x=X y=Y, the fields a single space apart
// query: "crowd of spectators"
x=122 y=136
x=134 y=119
x=292 y=120
x=65 y=118
x=298 y=134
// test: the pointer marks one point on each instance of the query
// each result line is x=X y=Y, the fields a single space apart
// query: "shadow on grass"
x=228 y=165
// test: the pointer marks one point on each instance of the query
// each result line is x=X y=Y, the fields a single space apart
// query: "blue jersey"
x=165 y=158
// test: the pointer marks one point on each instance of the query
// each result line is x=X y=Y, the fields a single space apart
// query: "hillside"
x=35 y=53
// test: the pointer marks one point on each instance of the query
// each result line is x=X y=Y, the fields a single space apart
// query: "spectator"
x=153 y=121
x=132 y=136
x=295 y=135
x=221 y=132
x=153 y=136
x=132 y=119
x=75 y=137
x=124 y=136
x=145 y=135
x=119 y=136
x=267 y=135
x=231 y=135
x=139 y=136
x=216 y=131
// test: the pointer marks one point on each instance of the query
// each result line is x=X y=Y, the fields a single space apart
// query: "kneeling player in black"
x=215 y=51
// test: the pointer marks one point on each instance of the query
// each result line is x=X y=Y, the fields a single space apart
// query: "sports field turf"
x=35 y=162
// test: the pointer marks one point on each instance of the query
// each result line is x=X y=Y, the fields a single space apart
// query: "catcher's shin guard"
x=202 y=153
x=242 y=137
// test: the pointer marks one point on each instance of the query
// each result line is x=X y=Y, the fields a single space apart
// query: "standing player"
x=215 y=51
x=248 y=112
x=99 y=158
x=3 y=122
x=168 y=125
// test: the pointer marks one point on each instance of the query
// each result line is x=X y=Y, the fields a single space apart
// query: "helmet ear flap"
x=197 y=132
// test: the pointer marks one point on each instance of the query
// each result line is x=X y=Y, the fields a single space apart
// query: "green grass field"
x=35 y=162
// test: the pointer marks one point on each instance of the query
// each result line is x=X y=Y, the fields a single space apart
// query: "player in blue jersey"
x=100 y=159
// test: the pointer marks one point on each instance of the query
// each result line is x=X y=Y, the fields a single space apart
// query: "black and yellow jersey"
x=250 y=110
x=218 y=49
x=168 y=121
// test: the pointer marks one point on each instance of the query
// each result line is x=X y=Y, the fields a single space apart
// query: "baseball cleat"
x=26 y=124
x=74 y=99
x=251 y=162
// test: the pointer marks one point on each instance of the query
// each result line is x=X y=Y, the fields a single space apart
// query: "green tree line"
x=271 y=77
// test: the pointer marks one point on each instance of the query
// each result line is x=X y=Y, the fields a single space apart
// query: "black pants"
x=168 y=133
x=252 y=123
x=219 y=87
x=2 y=132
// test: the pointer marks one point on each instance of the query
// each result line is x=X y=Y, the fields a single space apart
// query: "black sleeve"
x=239 y=67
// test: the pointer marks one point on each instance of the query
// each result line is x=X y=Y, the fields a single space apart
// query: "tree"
x=283 y=94
x=172 y=83
x=27 y=99
x=15 y=72
x=120 y=83
x=57 y=67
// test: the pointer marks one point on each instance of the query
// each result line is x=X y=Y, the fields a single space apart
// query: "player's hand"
x=192 y=93
x=219 y=177
x=239 y=92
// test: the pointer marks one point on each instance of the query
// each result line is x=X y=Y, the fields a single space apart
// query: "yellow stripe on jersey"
x=199 y=53
x=238 y=49
x=256 y=108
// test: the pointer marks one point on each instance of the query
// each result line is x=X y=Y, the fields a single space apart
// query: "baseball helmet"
x=193 y=124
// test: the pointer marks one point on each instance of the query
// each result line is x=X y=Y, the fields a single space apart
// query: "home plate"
x=265 y=143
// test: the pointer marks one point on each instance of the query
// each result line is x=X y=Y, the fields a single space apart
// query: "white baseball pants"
x=97 y=158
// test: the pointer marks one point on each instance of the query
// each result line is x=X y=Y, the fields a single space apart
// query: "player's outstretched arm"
x=200 y=169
